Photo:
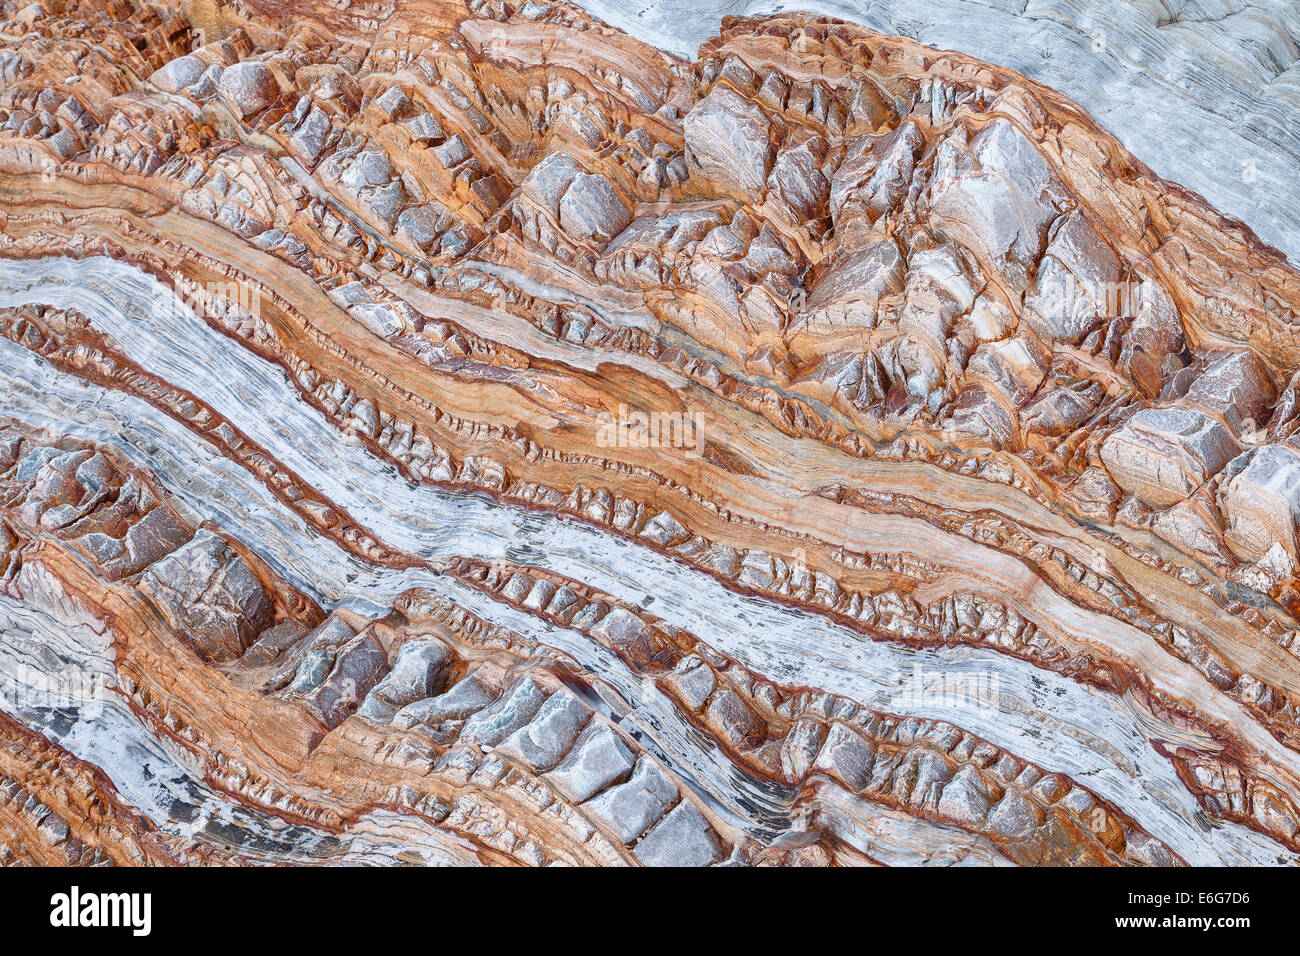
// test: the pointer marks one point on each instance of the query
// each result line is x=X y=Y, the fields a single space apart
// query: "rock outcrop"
x=470 y=434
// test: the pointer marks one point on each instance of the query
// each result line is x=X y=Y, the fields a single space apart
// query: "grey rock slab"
x=548 y=736
x=513 y=710
x=683 y=838
x=596 y=760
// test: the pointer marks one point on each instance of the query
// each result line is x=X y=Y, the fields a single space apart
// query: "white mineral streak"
x=1207 y=92
x=1098 y=739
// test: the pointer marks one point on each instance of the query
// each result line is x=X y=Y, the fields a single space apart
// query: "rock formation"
x=467 y=434
x=1204 y=91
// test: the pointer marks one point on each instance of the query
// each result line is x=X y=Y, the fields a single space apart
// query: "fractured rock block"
x=1236 y=385
x=848 y=293
x=591 y=209
x=154 y=536
x=966 y=798
x=994 y=195
x=798 y=178
x=250 y=87
x=464 y=698
x=875 y=174
x=272 y=643
x=1262 y=502
x=547 y=181
x=179 y=73
x=585 y=204
x=846 y=756
x=683 y=838
x=548 y=736
x=416 y=675
x=1072 y=294
x=693 y=681
x=734 y=721
x=629 y=809
x=210 y=595
x=596 y=760
x=308 y=140
x=727 y=144
x=357 y=666
x=511 y=711
x=1162 y=455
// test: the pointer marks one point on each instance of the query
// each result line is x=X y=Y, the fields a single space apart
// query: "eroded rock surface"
x=474 y=435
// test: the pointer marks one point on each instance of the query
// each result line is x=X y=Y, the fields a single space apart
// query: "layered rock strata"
x=455 y=434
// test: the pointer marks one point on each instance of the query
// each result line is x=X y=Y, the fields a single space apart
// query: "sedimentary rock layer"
x=1205 y=91
x=458 y=434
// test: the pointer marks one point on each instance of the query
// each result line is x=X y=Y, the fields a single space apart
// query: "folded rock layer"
x=467 y=434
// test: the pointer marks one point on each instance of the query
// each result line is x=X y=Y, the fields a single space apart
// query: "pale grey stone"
x=683 y=838
x=549 y=735
x=631 y=808
x=596 y=760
